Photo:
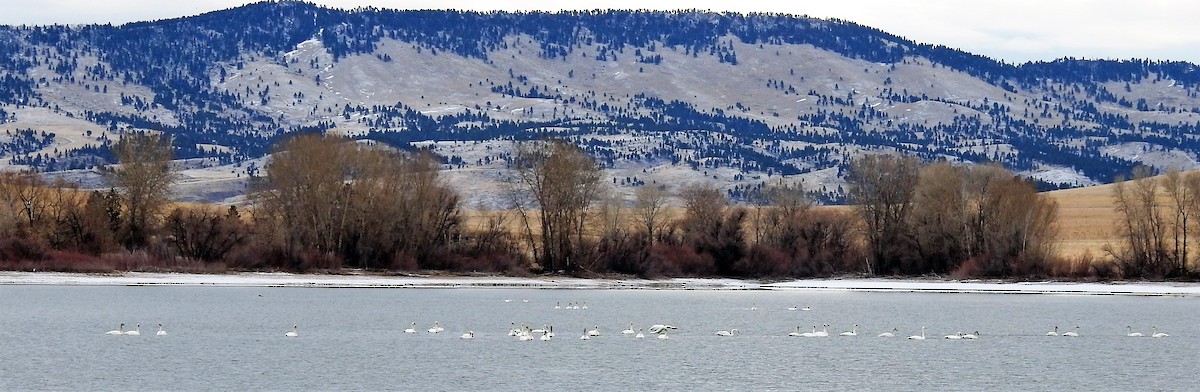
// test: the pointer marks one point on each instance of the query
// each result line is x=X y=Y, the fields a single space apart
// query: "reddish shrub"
x=22 y=249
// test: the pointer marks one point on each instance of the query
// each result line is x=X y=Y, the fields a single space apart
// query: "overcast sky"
x=1010 y=30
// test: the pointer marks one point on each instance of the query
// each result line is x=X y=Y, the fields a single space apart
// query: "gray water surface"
x=220 y=338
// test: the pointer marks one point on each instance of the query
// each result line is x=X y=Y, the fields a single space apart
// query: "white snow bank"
x=410 y=281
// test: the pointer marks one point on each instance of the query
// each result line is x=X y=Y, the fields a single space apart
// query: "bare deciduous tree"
x=563 y=183
x=650 y=211
x=144 y=176
x=881 y=189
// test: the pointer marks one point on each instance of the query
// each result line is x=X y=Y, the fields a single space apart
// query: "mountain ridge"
x=671 y=97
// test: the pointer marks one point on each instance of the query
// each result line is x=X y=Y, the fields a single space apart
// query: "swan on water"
x=557 y=306
x=639 y=334
x=812 y=334
x=729 y=332
x=753 y=306
x=957 y=336
x=663 y=336
x=585 y=335
x=119 y=331
x=1157 y=334
x=851 y=332
x=549 y=331
x=584 y=305
x=805 y=309
x=546 y=336
x=793 y=308
x=795 y=333
x=1054 y=332
x=436 y=328
x=1074 y=333
x=136 y=332
x=595 y=331
x=972 y=335
x=1131 y=333
x=823 y=332
x=411 y=328
x=293 y=333
x=889 y=334
x=468 y=335
x=160 y=332
x=628 y=331
x=918 y=337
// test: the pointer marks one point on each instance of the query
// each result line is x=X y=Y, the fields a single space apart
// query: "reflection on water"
x=54 y=337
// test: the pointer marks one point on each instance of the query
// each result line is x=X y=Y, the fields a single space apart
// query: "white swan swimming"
x=584 y=305
x=957 y=336
x=468 y=335
x=796 y=333
x=595 y=331
x=119 y=331
x=889 y=334
x=293 y=333
x=663 y=336
x=628 y=331
x=549 y=332
x=918 y=337
x=160 y=332
x=729 y=332
x=824 y=332
x=585 y=335
x=136 y=332
x=1157 y=334
x=436 y=328
x=411 y=328
x=1073 y=333
x=557 y=306
x=972 y=335
x=1054 y=332
x=805 y=309
x=812 y=334
x=639 y=334
x=793 y=308
x=1131 y=333
x=546 y=336
x=851 y=332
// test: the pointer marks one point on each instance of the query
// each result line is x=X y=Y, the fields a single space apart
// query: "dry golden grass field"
x=1086 y=220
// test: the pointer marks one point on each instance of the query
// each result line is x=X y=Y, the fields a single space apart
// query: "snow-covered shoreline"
x=383 y=281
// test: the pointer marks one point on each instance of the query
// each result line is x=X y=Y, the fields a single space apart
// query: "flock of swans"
x=546 y=332
x=136 y=331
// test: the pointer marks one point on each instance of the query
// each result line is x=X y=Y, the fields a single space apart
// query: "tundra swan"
x=160 y=332
x=293 y=333
x=1073 y=333
x=851 y=332
x=412 y=328
x=1131 y=333
x=136 y=332
x=1054 y=332
x=729 y=332
x=889 y=334
x=119 y=331
x=1157 y=334
x=918 y=337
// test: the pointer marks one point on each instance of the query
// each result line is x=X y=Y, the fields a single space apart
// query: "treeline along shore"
x=326 y=203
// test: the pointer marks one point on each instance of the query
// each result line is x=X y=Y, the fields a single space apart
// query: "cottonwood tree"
x=144 y=176
x=1183 y=193
x=369 y=205
x=1143 y=227
x=563 y=183
x=881 y=189
x=710 y=228
x=650 y=210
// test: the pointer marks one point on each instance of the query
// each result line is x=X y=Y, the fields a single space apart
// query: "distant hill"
x=657 y=97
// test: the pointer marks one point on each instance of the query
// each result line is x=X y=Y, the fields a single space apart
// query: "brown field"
x=1086 y=220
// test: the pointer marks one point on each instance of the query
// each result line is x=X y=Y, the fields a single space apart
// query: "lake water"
x=221 y=338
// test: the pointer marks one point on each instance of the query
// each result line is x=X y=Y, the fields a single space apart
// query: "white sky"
x=1010 y=30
